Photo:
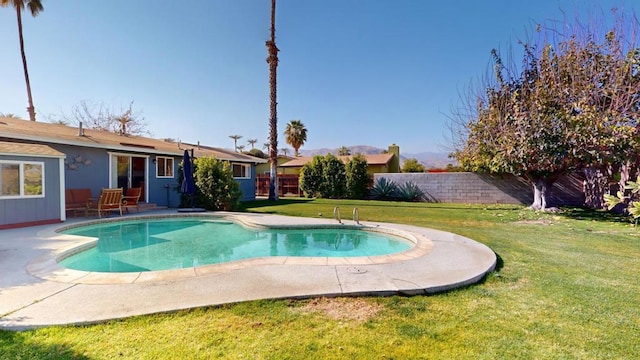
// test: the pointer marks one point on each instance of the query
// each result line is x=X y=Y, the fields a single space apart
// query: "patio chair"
x=131 y=198
x=109 y=200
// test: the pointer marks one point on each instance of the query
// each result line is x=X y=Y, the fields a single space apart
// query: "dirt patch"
x=355 y=309
x=534 y=222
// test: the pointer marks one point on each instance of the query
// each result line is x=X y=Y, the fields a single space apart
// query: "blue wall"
x=161 y=191
x=15 y=211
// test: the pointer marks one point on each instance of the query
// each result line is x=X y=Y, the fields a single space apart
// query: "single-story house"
x=93 y=159
x=376 y=163
x=265 y=168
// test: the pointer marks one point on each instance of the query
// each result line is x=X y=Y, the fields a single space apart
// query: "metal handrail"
x=336 y=212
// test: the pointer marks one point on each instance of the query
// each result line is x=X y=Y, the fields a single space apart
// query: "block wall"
x=474 y=188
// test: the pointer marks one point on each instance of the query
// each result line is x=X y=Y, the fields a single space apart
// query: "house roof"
x=24 y=130
x=9 y=148
x=372 y=159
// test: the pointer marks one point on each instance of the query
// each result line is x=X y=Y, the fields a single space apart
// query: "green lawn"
x=566 y=287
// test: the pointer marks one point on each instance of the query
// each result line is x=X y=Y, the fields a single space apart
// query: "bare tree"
x=101 y=117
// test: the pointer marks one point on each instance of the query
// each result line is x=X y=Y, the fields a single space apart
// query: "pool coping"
x=39 y=292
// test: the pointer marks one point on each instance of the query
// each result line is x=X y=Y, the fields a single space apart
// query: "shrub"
x=215 y=187
x=311 y=176
x=412 y=166
x=383 y=189
x=357 y=177
x=334 y=182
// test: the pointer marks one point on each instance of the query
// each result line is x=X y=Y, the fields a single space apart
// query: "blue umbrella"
x=188 y=184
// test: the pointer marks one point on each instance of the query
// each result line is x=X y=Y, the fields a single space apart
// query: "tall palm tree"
x=252 y=142
x=35 y=7
x=272 y=60
x=296 y=135
x=235 y=141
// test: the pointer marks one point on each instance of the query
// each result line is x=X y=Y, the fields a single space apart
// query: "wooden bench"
x=77 y=199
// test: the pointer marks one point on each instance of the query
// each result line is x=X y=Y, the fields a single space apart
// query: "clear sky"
x=355 y=72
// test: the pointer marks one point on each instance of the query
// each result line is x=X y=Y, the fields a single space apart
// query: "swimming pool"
x=162 y=244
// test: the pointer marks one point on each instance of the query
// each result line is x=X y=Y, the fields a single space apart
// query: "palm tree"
x=344 y=151
x=34 y=6
x=272 y=60
x=240 y=148
x=284 y=151
x=252 y=142
x=296 y=135
x=235 y=141
x=10 y=115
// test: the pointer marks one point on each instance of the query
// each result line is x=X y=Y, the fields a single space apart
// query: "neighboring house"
x=265 y=168
x=376 y=163
x=97 y=159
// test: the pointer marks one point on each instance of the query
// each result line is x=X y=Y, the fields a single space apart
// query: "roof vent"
x=80 y=129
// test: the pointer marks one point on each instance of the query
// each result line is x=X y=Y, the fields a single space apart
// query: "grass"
x=566 y=288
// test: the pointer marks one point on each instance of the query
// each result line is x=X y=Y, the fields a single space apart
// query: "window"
x=21 y=179
x=164 y=167
x=242 y=171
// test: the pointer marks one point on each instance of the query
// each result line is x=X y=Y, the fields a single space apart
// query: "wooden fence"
x=287 y=185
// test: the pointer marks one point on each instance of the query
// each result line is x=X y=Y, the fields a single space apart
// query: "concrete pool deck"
x=35 y=291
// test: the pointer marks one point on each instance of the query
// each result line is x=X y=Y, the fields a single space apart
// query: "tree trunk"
x=596 y=184
x=31 y=110
x=272 y=60
x=541 y=193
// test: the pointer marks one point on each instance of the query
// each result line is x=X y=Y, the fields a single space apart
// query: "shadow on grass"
x=579 y=213
x=265 y=202
x=244 y=206
x=19 y=345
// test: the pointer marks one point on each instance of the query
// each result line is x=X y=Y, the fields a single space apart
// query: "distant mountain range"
x=428 y=159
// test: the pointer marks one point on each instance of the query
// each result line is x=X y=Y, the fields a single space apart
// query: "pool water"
x=150 y=245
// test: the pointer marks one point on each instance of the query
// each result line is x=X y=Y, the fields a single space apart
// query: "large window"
x=241 y=171
x=21 y=179
x=164 y=167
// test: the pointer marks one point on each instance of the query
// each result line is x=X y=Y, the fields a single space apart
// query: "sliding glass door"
x=129 y=171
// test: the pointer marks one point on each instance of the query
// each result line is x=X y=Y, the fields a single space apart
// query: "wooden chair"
x=131 y=198
x=109 y=200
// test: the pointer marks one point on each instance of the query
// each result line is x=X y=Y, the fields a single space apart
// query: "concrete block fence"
x=475 y=188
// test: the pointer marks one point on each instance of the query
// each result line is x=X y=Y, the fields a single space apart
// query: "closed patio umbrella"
x=188 y=184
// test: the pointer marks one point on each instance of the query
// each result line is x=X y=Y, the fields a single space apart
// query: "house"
x=265 y=168
x=94 y=159
x=376 y=163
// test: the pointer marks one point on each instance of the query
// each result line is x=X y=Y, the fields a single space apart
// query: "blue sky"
x=355 y=72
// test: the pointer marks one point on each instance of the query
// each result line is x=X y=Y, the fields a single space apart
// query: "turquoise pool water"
x=150 y=245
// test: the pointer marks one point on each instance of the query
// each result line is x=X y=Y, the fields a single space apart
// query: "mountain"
x=428 y=159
